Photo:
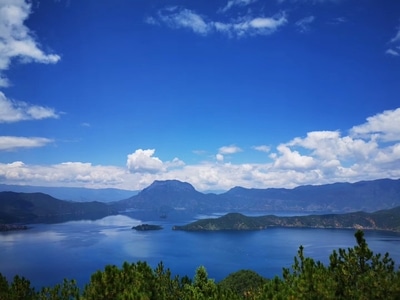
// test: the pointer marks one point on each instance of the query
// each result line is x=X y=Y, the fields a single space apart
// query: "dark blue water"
x=46 y=254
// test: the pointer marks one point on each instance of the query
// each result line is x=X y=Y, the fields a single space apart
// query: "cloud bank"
x=368 y=151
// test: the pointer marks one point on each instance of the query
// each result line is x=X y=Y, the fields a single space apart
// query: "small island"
x=147 y=227
x=12 y=227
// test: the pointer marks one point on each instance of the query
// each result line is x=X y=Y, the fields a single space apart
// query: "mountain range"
x=366 y=196
x=72 y=193
x=165 y=197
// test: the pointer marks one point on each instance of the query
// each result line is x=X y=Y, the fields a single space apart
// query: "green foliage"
x=68 y=290
x=244 y=283
x=353 y=273
x=20 y=289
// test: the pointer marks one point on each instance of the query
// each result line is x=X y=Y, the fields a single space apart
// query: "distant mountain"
x=380 y=220
x=72 y=193
x=165 y=197
x=338 y=197
x=39 y=207
x=169 y=195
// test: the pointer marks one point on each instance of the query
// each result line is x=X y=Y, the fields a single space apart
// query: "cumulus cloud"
x=330 y=145
x=289 y=159
x=16 y=40
x=143 y=161
x=384 y=126
x=14 y=111
x=303 y=24
x=177 y=17
x=232 y=149
x=368 y=151
x=8 y=143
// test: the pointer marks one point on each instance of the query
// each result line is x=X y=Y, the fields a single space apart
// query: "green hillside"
x=380 y=220
x=39 y=207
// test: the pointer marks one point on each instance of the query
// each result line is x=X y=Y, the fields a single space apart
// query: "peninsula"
x=387 y=220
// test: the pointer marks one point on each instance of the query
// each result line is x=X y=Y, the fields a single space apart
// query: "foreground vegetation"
x=353 y=273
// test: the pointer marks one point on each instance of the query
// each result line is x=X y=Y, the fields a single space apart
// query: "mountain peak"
x=174 y=185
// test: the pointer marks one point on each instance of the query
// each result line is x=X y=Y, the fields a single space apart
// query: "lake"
x=47 y=253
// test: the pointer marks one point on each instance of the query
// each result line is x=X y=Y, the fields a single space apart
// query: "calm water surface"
x=48 y=253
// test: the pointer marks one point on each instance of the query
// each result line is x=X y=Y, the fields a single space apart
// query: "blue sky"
x=250 y=93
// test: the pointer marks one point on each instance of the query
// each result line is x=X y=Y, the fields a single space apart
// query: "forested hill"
x=39 y=207
x=380 y=220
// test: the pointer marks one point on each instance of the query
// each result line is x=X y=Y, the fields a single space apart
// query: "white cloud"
x=65 y=174
x=392 y=52
x=236 y=3
x=337 y=21
x=16 y=40
x=219 y=157
x=176 y=18
x=384 y=126
x=370 y=151
x=262 y=148
x=289 y=159
x=249 y=26
x=389 y=155
x=396 y=38
x=143 y=161
x=304 y=24
x=229 y=149
x=175 y=163
x=184 y=18
x=395 y=42
x=329 y=145
x=232 y=149
x=14 y=111
x=8 y=143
